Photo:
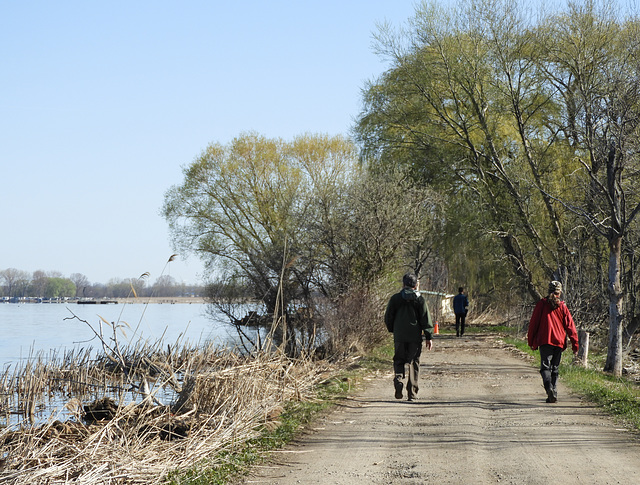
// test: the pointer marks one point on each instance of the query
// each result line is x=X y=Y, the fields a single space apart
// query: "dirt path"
x=481 y=418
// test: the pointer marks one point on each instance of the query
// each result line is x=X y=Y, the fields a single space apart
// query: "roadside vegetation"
x=138 y=414
x=232 y=466
x=153 y=415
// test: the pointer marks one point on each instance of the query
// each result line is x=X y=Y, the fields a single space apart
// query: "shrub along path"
x=481 y=418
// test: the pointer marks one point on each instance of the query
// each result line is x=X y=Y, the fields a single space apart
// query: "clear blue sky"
x=102 y=103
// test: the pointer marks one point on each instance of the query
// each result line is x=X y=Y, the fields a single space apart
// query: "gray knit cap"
x=555 y=286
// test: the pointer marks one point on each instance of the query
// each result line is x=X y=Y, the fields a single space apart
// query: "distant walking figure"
x=460 y=308
x=407 y=317
x=549 y=327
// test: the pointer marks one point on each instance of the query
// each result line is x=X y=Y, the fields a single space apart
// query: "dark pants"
x=550 y=356
x=460 y=318
x=407 y=353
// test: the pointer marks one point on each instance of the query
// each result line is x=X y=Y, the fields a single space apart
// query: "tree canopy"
x=295 y=220
x=534 y=122
x=500 y=148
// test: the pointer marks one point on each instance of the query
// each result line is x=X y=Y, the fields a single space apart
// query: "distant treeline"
x=15 y=283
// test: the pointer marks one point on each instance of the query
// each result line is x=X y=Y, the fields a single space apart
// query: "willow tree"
x=593 y=62
x=295 y=220
x=521 y=114
x=463 y=98
x=240 y=207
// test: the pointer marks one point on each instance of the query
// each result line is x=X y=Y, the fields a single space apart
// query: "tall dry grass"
x=220 y=399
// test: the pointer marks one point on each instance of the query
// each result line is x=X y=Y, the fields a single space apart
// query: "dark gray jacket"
x=408 y=317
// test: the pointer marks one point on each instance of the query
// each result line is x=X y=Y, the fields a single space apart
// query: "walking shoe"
x=398 y=386
x=551 y=396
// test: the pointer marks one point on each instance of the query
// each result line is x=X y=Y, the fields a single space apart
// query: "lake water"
x=38 y=327
x=47 y=330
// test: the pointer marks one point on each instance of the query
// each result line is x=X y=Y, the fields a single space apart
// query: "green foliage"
x=59 y=288
x=242 y=205
x=461 y=99
x=530 y=128
x=474 y=259
x=304 y=226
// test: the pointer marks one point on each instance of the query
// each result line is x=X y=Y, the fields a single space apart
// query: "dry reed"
x=219 y=400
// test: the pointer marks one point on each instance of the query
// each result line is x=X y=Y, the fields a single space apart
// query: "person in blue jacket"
x=460 y=308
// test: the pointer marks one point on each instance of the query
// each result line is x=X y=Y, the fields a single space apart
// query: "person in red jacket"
x=549 y=327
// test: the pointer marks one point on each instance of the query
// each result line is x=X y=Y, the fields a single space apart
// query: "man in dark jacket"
x=460 y=308
x=550 y=325
x=408 y=317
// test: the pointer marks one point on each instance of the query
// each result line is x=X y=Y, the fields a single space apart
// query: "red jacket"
x=551 y=327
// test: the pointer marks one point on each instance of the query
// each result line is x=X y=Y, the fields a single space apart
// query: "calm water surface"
x=30 y=328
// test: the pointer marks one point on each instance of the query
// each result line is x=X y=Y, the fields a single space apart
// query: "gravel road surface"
x=481 y=418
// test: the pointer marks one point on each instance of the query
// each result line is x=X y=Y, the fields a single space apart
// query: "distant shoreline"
x=171 y=300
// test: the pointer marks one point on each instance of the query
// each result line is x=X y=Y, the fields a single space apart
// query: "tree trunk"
x=614 y=352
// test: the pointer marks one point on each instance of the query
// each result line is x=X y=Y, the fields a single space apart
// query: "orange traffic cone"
x=436 y=329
